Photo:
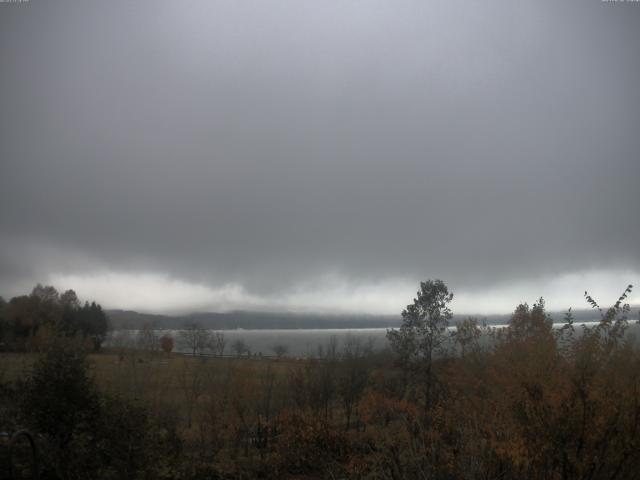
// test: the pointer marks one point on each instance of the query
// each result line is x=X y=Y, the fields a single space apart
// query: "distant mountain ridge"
x=127 y=319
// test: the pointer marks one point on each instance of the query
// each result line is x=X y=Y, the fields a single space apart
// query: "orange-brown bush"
x=307 y=444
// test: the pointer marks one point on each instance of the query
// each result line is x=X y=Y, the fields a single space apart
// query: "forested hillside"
x=28 y=322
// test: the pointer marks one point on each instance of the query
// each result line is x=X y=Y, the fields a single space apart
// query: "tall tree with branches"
x=422 y=334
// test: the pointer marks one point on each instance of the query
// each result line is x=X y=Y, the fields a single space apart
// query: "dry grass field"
x=181 y=385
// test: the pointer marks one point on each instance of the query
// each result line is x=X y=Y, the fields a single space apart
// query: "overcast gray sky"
x=320 y=155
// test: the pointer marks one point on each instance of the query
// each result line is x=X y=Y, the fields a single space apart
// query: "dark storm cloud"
x=266 y=144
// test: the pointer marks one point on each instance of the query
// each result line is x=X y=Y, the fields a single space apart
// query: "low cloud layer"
x=332 y=294
x=303 y=155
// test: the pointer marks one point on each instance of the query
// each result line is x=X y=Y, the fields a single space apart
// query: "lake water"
x=306 y=342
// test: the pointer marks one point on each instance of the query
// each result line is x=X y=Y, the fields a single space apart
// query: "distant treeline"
x=27 y=322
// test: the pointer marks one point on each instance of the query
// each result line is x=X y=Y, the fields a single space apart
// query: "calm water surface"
x=306 y=342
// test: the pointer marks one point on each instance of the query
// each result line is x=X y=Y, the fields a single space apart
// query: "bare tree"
x=320 y=380
x=146 y=339
x=467 y=335
x=330 y=351
x=264 y=407
x=218 y=343
x=212 y=424
x=353 y=374
x=192 y=383
x=121 y=341
x=239 y=347
x=280 y=350
x=195 y=337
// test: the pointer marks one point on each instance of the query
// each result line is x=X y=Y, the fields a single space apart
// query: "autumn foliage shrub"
x=307 y=444
x=166 y=343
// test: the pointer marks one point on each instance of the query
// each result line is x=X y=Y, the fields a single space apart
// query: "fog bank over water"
x=336 y=295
